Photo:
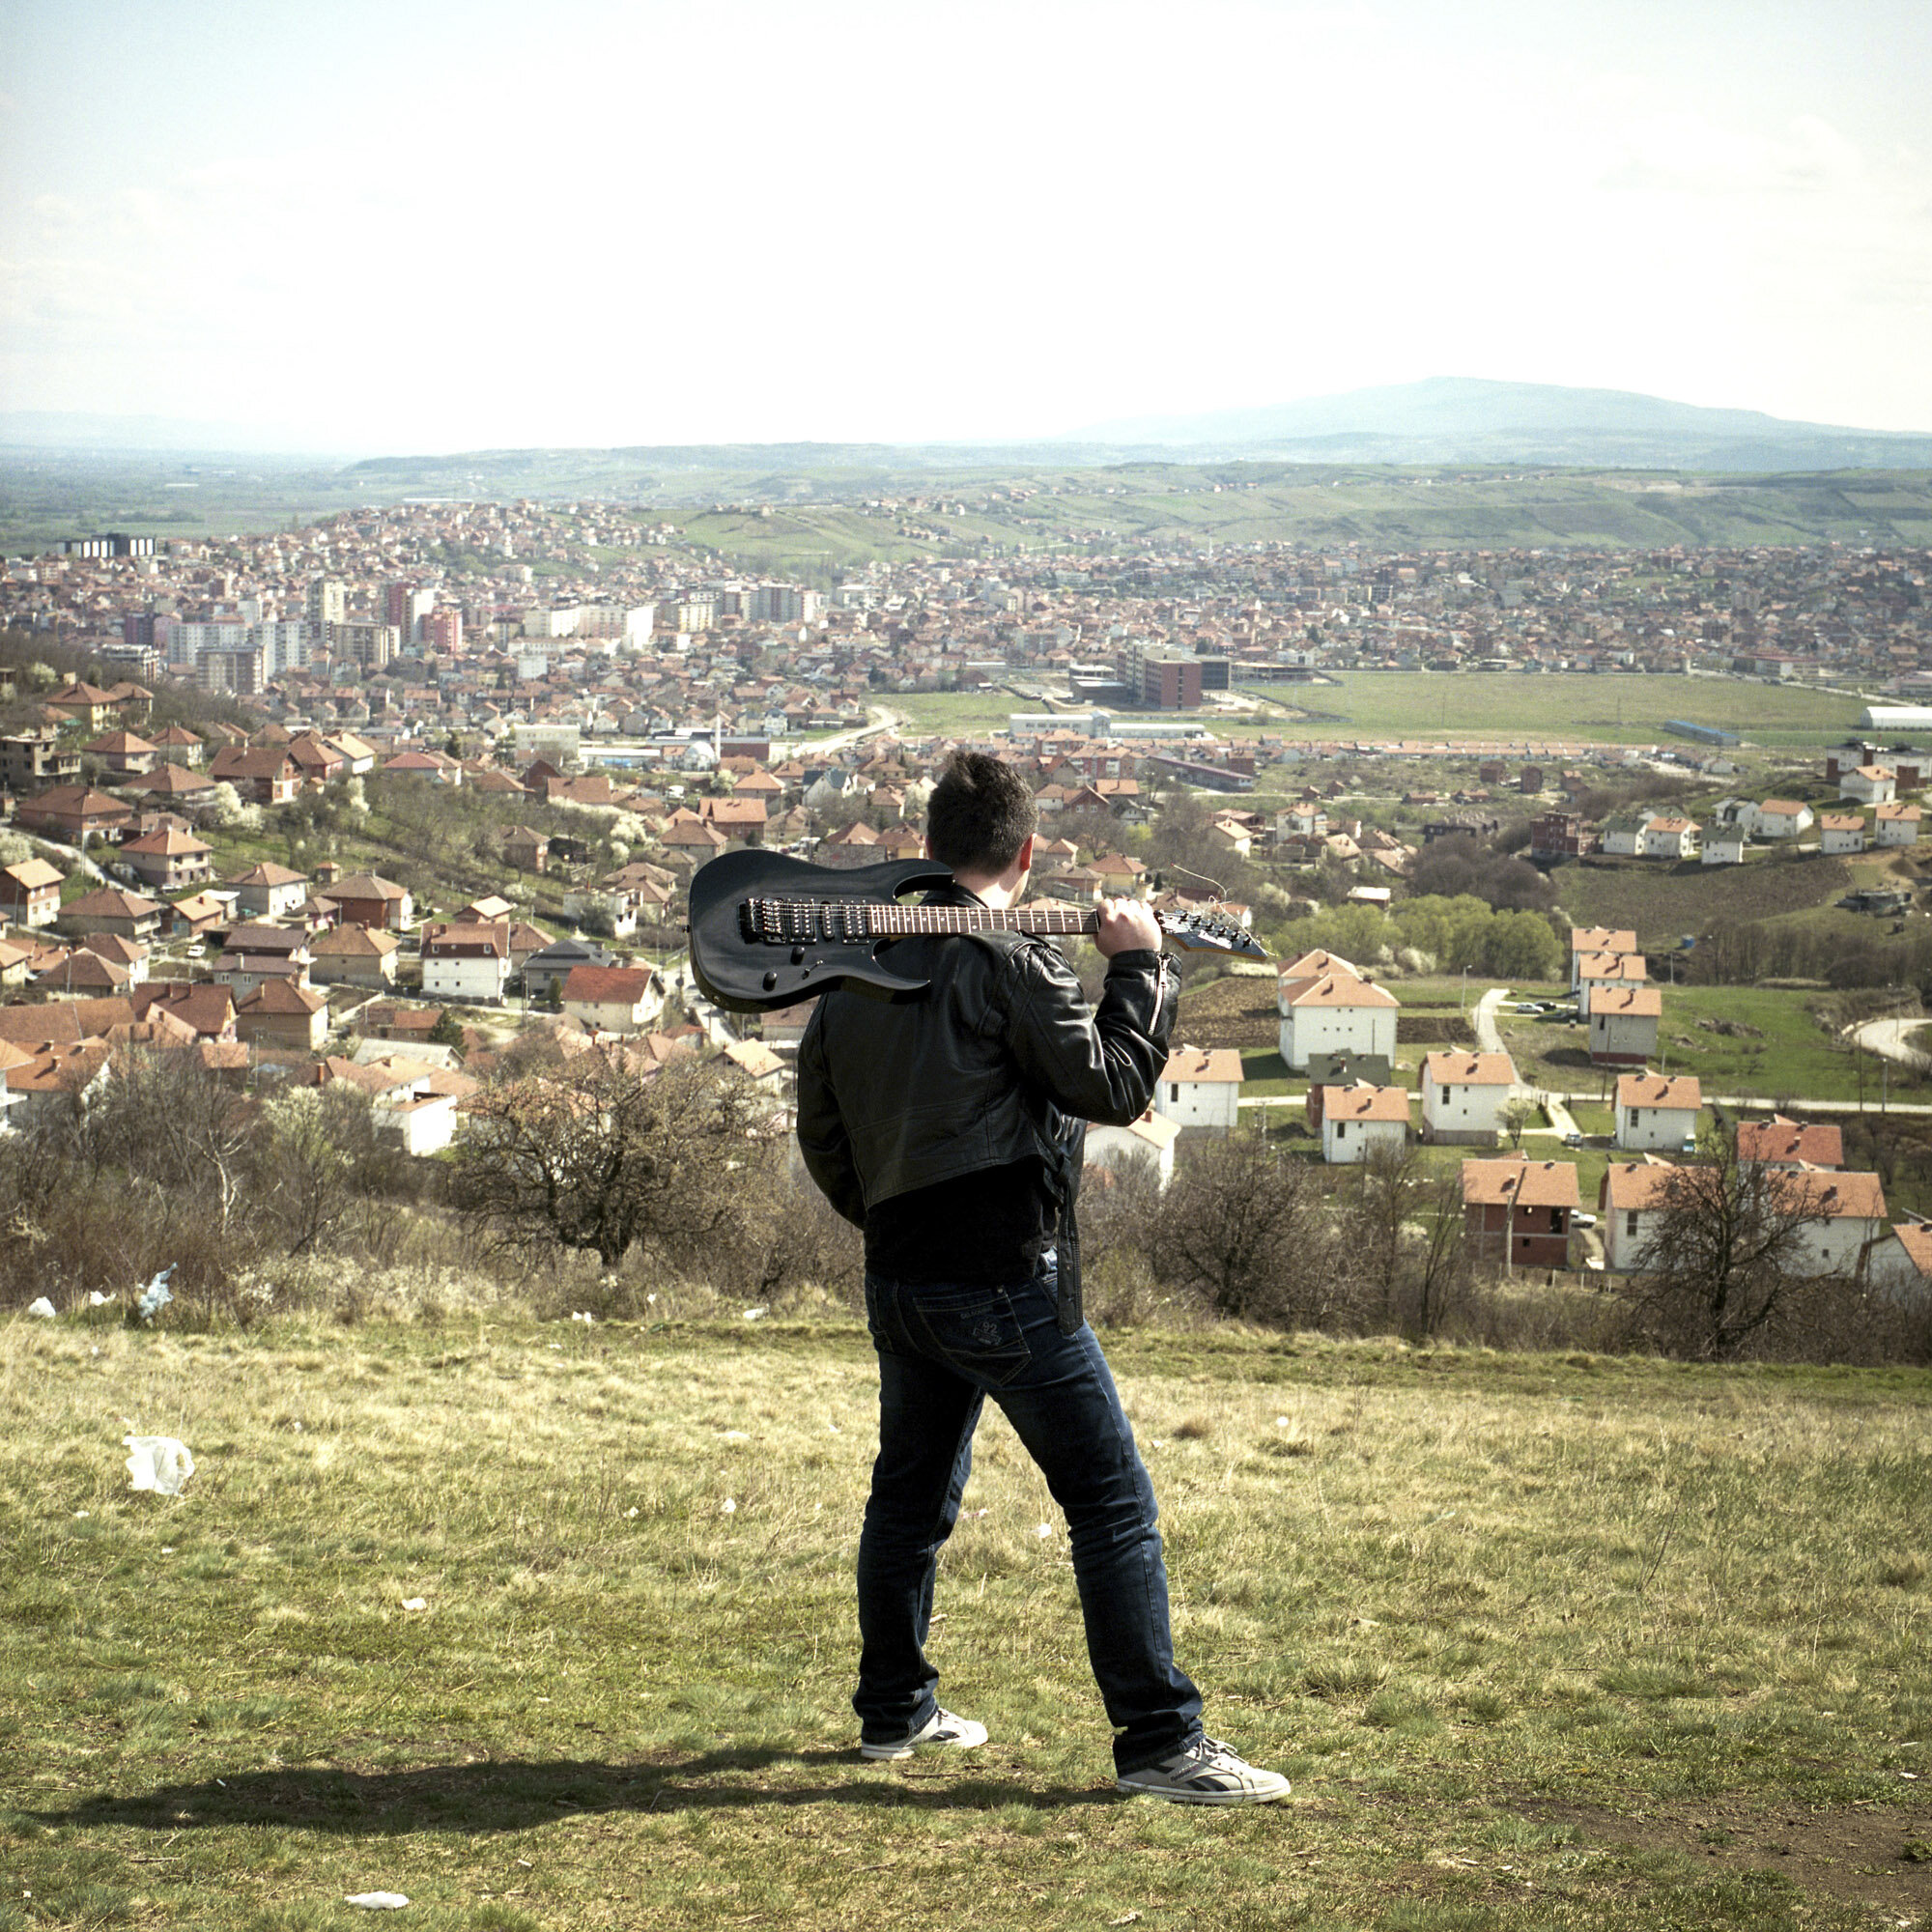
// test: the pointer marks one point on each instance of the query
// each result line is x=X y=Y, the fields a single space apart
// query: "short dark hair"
x=980 y=815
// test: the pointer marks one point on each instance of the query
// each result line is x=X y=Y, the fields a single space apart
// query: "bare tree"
x=1245 y=1226
x=1403 y=1235
x=1724 y=1269
x=620 y=1155
x=172 y=1121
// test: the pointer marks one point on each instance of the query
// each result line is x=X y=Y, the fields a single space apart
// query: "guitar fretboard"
x=807 y=922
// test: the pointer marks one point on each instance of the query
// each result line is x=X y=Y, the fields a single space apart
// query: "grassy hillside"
x=44 y=496
x=1661 y=903
x=551 y=1627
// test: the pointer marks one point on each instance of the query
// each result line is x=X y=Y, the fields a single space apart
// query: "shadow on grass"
x=507 y=1795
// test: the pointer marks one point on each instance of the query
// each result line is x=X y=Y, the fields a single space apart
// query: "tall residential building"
x=192 y=636
x=362 y=641
x=405 y=605
x=443 y=631
x=232 y=668
x=328 y=601
x=782 y=604
x=285 y=644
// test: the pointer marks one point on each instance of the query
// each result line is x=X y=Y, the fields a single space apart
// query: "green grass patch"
x=1784 y=1056
x=1560 y=706
x=1492 y=1613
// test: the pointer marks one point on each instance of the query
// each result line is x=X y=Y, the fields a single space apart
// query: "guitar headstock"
x=1203 y=929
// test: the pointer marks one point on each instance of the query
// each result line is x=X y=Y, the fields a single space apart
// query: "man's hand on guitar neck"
x=1126 y=926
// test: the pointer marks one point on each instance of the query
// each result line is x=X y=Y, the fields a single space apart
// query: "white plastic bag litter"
x=156 y=1296
x=377 y=1901
x=96 y=1299
x=158 y=1462
x=42 y=1307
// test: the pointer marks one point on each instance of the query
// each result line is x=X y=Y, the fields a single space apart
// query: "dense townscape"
x=407 y=804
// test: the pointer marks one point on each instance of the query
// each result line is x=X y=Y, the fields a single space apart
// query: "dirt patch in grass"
x=1232 y=1011
x=1851 y=1857
x=1434 y=1030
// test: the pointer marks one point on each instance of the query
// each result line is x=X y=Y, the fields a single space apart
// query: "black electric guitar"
x=768 y=929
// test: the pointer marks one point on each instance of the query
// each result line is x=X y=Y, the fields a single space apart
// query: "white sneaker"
x=1205 y=1772
x=941 y=1728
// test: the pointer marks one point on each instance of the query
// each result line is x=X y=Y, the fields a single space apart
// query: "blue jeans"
x=942 y=1352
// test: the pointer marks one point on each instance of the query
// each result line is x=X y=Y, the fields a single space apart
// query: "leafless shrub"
x=1244 y=1228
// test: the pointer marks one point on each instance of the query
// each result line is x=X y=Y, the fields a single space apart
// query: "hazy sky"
x=415 y=226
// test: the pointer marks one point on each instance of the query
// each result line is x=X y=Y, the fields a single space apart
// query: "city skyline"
x=417 y=228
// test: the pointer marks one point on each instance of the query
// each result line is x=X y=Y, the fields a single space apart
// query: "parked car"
x=1582 y=1220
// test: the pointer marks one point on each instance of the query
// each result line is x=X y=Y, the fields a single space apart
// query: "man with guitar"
x=950 y=1126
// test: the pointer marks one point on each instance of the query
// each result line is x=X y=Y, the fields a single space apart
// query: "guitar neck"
x=899 y=920
x=783 y=922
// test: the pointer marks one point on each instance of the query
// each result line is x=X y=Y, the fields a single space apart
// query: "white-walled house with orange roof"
x=1357 y=1120
x=1622 y=1025
x=1463 y=1095
x=1201 y=1087
x=1782 y=818
x=1151 y=1137
x=1841 y=832
x=1585 y=941
x=1896 y=824
x=1658 y=1110
x=1334 y=1012
x=1842 y=1216
x=1668 y=838
x=1870 y=785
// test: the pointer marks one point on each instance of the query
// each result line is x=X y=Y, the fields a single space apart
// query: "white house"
x=1631 y=1199
x=1201 y=1087
x=1870 y=785
x=1900 y=1266
x=613 y=999
x=1842 y=1213
x=1842 y=832
x=1356 y=1121
x=1724 y=845
x=1657 y=1110
x=1623 y=835
x=1896 y=824
x=1622 y=1025
x=1665 y=837
x=1334 y=1012
x=465 y=959
x=425 y=1121
x=1151 y=1137
x=1463 y=1095
x=1607 y=969
x=1851 y=1211
x=1586 y=941
x=1783 y=818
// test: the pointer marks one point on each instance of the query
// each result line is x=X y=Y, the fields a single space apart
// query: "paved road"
x=1891 y=1040
x=1488 y=1039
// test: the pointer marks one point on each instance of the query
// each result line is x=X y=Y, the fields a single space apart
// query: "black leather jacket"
x=997 y=1061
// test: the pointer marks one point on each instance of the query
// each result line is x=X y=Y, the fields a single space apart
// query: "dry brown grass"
x=1492 y=1612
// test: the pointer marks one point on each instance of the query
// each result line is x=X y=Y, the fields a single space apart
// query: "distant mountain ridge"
x=1452 y=420
x=1470 y=419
